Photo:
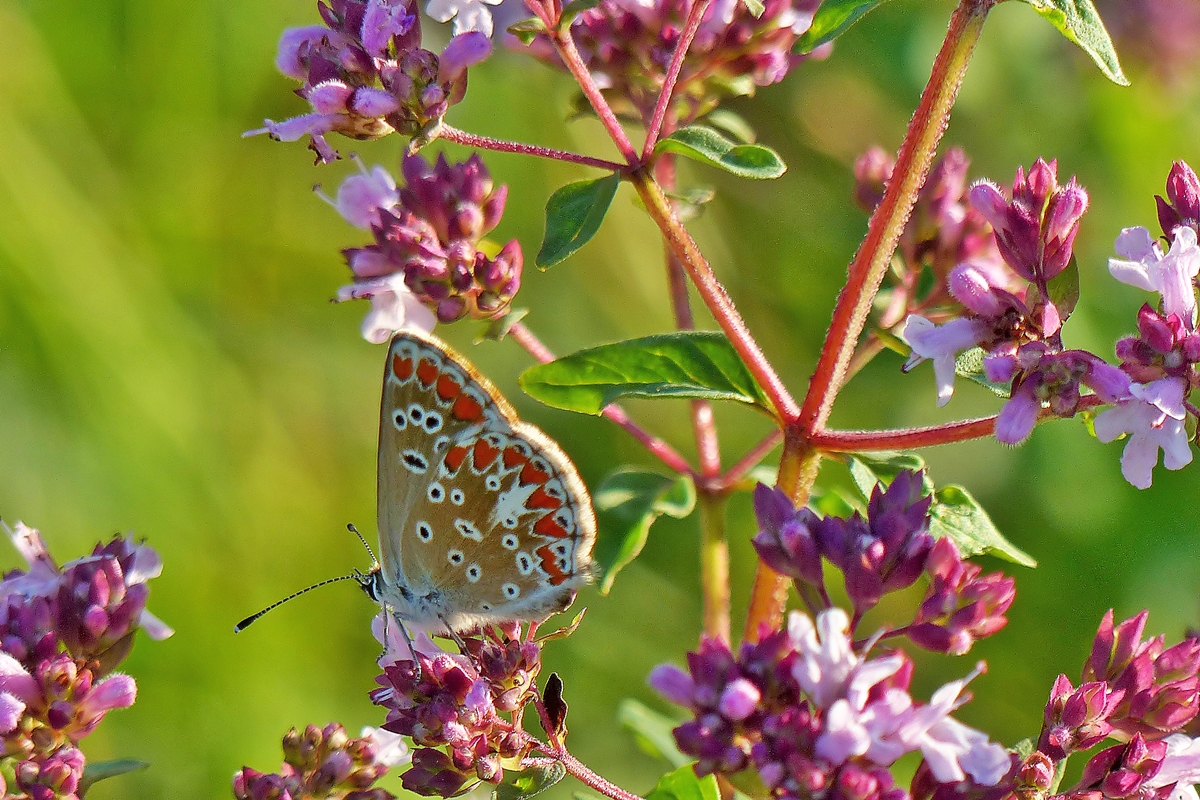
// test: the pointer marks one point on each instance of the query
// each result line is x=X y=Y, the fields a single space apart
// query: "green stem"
x=890 y=216
x=714 y=565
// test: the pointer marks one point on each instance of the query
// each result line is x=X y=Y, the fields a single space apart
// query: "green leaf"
x=755 y=7
x=1063 y=289
x=690 y=203
x=573 y=215
x=696 y=365
x=957 y=515
x=652 y=731
x=867 y=469
x=835 y=503
x=1078 y=21
x=682 y=784
x=707 y=146
x=498 y=327
x=572 y=10
x=731 y=123
x=969 y=365
x=97 y=771
x=527 y=29
x=1024 y=748
x=832 y=19
x=628 y=502
x=529 y=782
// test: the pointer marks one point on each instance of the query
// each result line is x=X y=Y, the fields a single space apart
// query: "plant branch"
x=714 y=565
x=564 y=43
x=581 y=772
x=903 y=438
x=713 y=293
x=657 y=447
x=690 y=26
x=451 y=134
x=889 y=218
x=749 y=461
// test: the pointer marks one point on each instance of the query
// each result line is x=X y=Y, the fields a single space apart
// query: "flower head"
x=1153 y=416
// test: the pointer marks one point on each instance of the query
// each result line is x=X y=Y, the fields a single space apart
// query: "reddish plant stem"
x=749 y=461
x=890 y=216
x=581 y=773
x=564 y=43
x=713 y=293
x=903 y=439
x=488 y=143
x=657 y=447
x=690 y=26
x=801 y=459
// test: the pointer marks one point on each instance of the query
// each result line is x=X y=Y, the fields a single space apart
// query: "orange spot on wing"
x=447 y=388
x=484 y=454
x=550 y=564
x=539 y=499
x=531 y=474
x=402 y=368
x=514 y=457
x=467 y=408
x=427 y=372
x=549 y=526
x=455 y=457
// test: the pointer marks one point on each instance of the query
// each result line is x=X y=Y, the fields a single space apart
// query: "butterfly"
x=482 y=517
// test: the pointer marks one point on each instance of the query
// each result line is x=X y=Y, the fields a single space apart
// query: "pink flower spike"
x=287 y=58
x=115 y=691
x=1153 y=416
x=1143 y=265
x=360 y=197
x=942 y=343
x=393 y=308
x=383 y=19
x=971 y=288
x=329 y=97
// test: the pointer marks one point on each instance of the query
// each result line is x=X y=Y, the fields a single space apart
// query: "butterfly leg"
x=458 y=640
x=408 y=640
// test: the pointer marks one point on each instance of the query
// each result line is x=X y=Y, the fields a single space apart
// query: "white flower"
x=1181 y=766
x=942 y=343
x=361 y=196
x=1145 y=266
x=825 y=664
x=1154 y=418
x=468 y=15
x=393 y=308
x=390 y=748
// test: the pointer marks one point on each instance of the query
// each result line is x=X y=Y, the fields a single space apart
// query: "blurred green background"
x=170 y=364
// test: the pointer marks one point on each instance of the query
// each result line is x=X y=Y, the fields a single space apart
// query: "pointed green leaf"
x=682 y=784
x=527 y=29
x=573 y=215
x=696 y=365
x=652 y=731
x=832 y=19
x=707 y=146
x=572 y=10
x=97 y=771
x=731 y=123
x=1078 y=21
x=498 y=327
x=755 y=7
x=969 y=365
x=529 y=782
x=628 y=502
x=1063 y=289
x=867 y=469
x=958 y=515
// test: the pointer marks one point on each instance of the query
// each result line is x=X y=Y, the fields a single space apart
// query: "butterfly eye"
x=414 y=461
x=457 y=497
x=416 y=413
x=441 y=443
x=473 y=573
x=433 y=422
x=424 y=531
x=492 y=483
x=485 y=606
x=510 y=522
x=524 y=563
x=454 y=556
x=399 y=420
x=511 y=591
x=435 y=492
x=510 y=541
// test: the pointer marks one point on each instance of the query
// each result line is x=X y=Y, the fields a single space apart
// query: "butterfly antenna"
x=241 y=626
x=363 y=539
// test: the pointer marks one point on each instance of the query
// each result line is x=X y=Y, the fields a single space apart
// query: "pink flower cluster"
x=427 y=263
x=1019 y=333
x=62 y=632
x=365 y=74
x=816 y=717
x=884 y=552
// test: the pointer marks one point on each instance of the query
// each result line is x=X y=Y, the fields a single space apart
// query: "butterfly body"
x=482 y=517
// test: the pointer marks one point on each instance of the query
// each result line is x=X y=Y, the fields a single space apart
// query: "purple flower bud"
x=1182 y=206
x=1066 y=209
x=463 y=51
x=785 y=540
x=872 y=170
x=672 y=683
x=739 y=699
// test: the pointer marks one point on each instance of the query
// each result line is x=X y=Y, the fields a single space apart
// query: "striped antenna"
x=365 y=580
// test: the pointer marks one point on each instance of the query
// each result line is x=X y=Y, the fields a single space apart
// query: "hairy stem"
x=714 y=565
x=690 y=26
x=564 y=43
x=903 y=438
x=581 y=772
x=657 y=447
x=888 y=220
x=450 y=134
x=713 y=293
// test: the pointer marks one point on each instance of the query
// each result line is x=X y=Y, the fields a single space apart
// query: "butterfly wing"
x=482 y=517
